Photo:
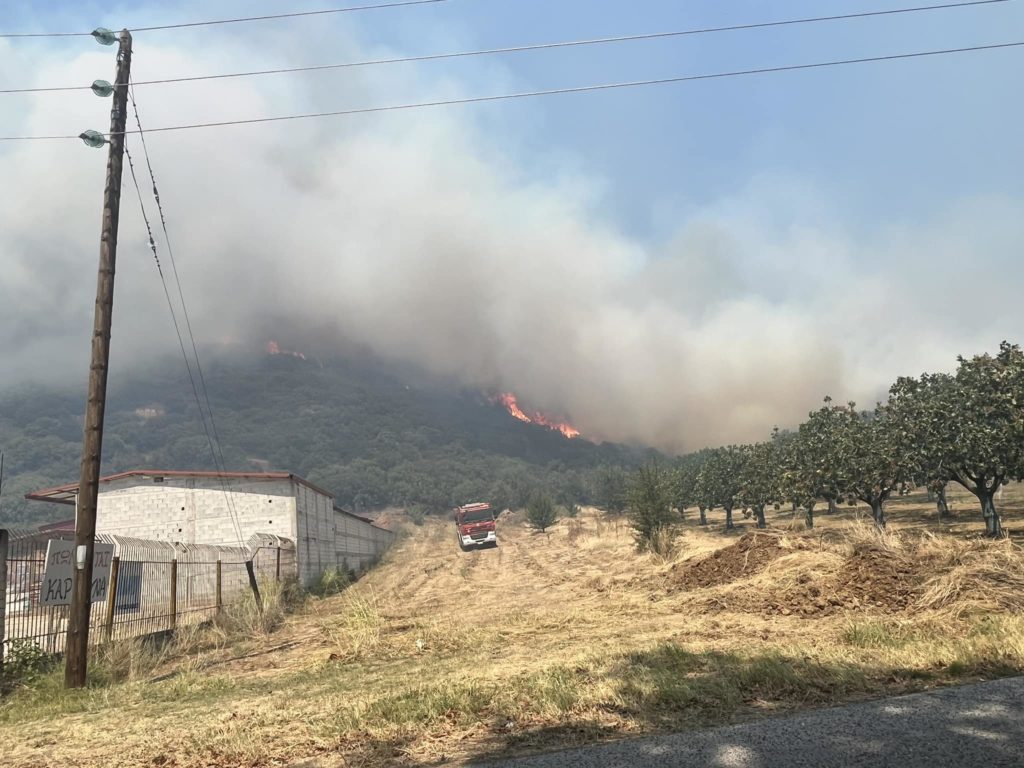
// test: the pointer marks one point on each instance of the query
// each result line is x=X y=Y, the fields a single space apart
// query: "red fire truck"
x=474 y=525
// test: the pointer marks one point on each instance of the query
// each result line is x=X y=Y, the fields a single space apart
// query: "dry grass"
x=555 y=639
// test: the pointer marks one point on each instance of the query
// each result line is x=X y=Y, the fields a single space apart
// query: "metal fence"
x=155 y=586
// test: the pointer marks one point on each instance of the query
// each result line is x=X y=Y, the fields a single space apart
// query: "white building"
x=233 y=509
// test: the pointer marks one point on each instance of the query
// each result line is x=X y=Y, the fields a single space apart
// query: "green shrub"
x=26 y=661
x=418 y=515
x=650 y=507
x=331 y=582
x=541 y=513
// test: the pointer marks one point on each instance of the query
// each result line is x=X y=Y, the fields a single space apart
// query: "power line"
x=181 y=342
x=289 y=15
x=177 y=331
x=271 y=17
x=184 y=309
x=45 y=34
x=533 y=47
x=551 y=92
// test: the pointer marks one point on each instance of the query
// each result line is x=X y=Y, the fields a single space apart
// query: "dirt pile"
x=750 y=555
x=872 y=580
x=886 y=580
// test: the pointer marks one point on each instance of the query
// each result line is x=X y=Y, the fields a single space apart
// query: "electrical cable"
x=181 y=294
x=551 y=92
x=181 y=343
x=525 y=48
x=271 y=17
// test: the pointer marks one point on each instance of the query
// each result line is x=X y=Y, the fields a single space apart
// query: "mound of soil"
x=879 y=579
x=871 y=580
x=751 y=554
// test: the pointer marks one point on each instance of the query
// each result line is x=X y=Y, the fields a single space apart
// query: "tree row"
x=965 y=427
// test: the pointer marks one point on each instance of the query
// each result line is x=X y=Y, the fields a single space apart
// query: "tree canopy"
x=965 y=427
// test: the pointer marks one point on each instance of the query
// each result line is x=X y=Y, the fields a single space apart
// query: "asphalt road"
x=973 y=725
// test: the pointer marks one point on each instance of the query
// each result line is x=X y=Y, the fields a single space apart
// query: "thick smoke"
x=417 y=235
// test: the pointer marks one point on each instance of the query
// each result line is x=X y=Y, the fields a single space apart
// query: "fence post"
x=174 y=592
x=277 y=565
x=108 y=629
x=3 y=594
x=220 y=602
x=255 y=586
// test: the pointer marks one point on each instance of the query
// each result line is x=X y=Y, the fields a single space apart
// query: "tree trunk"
x=993 y=524
x=832 y=508
x=728 y=519
x=810 y=514
x=703 y=515
x=878 y=513
x=759 y=514
x=795 y=507
x=940 y=502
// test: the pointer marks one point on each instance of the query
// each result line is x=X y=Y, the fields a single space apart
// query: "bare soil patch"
x=752 y=553
x=868 y=581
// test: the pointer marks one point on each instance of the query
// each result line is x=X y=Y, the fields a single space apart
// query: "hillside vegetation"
x=562 y=638
x=374 y=434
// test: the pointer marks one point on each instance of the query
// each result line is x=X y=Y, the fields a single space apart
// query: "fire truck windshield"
x=478 y=517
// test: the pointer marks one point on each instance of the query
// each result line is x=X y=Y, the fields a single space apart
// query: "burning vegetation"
x=273 y=348
x=511 y=404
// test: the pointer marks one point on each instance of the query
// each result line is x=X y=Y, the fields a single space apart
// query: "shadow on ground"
x=670 y=689
x=972 y=725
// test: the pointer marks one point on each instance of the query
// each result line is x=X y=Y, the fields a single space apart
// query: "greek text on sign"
x=60 y=567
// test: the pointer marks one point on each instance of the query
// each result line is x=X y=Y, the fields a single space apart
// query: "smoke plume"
x=418 y=235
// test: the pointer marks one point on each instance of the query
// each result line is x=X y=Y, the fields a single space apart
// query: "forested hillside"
x=375 y=434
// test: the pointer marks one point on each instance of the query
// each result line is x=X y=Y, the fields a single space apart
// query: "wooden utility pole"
x=92 y=434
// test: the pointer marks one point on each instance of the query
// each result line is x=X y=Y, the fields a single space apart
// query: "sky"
x=679 y=265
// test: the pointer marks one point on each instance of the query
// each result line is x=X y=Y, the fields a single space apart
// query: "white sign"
x=60 y=566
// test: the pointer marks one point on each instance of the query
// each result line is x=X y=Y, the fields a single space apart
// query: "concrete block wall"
x=315 y=533
x=358 y=544
x=196 y=510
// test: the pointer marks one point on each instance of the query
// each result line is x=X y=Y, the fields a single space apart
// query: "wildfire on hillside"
x=511 y=404
x=273 y=348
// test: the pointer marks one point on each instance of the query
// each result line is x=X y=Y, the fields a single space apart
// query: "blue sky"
x=678 y=264
x=922 y=132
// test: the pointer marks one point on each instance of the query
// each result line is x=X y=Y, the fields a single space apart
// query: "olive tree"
x=799 y=480
x=760 y=478
x=969 y=426
x=915 y=409
x=684 y=483
x=859 y=452
x=718 y=482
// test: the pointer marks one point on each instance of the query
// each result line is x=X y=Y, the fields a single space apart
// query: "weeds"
x=355 y=632
x=245 y=619
x=874 y=634
x=331 y=582
x=24 y=663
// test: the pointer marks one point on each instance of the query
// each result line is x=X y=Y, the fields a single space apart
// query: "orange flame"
x=273 y=348
x=511 y=404
x=509 y=401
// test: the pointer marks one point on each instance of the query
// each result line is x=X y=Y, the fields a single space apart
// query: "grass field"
x=556 y=639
